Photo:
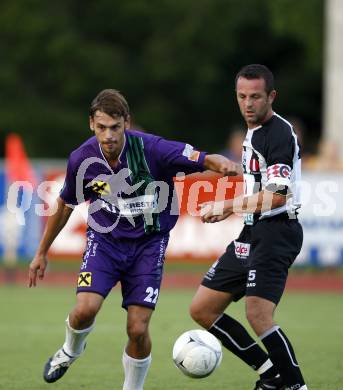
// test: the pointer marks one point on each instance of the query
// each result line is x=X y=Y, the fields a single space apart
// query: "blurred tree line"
x=174 y=60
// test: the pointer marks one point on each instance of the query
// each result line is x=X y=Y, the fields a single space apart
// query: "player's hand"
x=230 y=168
x=212 y=212
x=37 y=269
x=219 y=163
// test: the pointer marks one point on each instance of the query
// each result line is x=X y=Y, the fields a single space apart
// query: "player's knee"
x=137 y=330
x=258 y=320
x=83 y=315
x=259 y=313
x=200 y=315
x=252 y=315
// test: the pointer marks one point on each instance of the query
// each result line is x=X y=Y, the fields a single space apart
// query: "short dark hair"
x=111 y=102
x=257 y=71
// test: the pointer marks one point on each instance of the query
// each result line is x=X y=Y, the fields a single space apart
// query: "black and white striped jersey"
x=271 y=161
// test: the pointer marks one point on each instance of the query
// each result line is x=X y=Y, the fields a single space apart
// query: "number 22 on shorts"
x=152 y=295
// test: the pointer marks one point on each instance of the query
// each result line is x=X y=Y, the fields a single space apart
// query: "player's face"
x=254 y=102
x=109 y=132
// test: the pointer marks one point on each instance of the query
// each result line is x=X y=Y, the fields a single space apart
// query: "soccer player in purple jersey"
x=127 y=177
x=256 y=263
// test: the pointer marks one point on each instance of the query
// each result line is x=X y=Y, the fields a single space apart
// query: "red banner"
x=190 y=239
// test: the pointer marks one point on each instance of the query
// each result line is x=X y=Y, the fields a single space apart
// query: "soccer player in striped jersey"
x=256 y=264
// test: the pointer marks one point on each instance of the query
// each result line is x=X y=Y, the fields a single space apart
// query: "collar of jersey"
x=259 y=126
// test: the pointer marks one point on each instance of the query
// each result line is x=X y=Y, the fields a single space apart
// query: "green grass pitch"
x=32 y=328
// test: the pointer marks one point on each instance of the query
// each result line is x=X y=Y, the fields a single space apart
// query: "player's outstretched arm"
x=212 y=212
x=53 y=226
x=260 y=202
x=220 y=164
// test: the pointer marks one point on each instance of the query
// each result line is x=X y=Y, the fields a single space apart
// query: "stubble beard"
x=256 y=120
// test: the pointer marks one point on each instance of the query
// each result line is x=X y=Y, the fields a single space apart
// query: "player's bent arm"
x=258 y=203
x=220 y=164
x=54 y=225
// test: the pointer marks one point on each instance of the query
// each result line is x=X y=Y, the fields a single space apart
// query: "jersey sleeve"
x=280 y=146
x=68 y=191
x=179 y=157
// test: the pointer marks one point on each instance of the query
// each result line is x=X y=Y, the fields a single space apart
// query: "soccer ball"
x=197 y=353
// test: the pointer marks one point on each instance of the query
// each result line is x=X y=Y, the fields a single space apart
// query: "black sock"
x=236 y=339
x=282 y=355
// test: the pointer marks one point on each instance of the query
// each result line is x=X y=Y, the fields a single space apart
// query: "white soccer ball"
x=197 y=353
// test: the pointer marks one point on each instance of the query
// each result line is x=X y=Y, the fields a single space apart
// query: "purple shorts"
x=136 y=263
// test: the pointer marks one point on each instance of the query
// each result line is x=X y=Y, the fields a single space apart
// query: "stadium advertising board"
x=321 y=217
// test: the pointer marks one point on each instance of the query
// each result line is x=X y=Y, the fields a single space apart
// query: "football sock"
x=236 y=339
x=75 y=339
x=135 y=371
x=282 y=355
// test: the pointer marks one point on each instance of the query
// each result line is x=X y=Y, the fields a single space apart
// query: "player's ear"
x=91 y=123
x=272 y=96
x=127 y=122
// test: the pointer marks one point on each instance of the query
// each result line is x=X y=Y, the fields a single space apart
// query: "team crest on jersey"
x=101 y=187
x=85 y=279
x=279 y=170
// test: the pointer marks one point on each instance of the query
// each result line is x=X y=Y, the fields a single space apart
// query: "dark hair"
x=111 y=102
x=257 y=71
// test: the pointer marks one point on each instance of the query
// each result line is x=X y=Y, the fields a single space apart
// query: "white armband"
x=279 y=174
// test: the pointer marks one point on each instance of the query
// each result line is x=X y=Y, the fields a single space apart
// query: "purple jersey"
x=137 y=197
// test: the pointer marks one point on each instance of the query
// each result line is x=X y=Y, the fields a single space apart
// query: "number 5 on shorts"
x=252 y=275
